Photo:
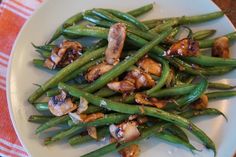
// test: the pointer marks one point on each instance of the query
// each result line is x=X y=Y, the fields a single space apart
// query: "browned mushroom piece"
x=135 y=79
x=185 y=47
x=91 y=117
x=66 y=53
x=124 y=86
x=143 y=99
x=97 y=70
x=92 y=132
x=201 y=103
x=116 y=39
x=150 y=66
x=60 y=105
x=130 y=151
x=221 y=48
x=126 y=131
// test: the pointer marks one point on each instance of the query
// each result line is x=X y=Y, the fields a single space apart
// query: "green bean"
x=223 y=86
x=53 y=92
x=149 y=111
x=174 y=91
x=207 y=111
x=69 y=22
x=164 y=75
x=56 y=91
x=220 y=95
x=41 y=106
x=153 y=22
x=211 y=61
x=183 y=66
x=103 y=32
x=95 y=46
x=96 y=20
x=141 y=10
x=52 y=122
x=174 y=139
x=65 y=72
x=105 y=92
x=152 y=25
x=113 y=146
x=129 y=18
x=81 y=139
x=193 y=95
x=189 y=19
x=203 y=34
x=39 y=63
x=93 y=109
x=164 y=26
x=122 y=66
x=108 y=119
x=209 y=42
x=178 y=132
x=47 y=47
x=109 y=17
x=39 y=118
x=79 y=30
x=44 y=53
x=200 y=18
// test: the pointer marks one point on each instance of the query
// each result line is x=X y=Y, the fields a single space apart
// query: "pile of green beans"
x=150 y=38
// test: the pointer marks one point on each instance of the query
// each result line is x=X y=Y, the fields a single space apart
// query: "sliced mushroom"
x=83 y=105
x=133 y=80
x=122 y=86
x=60 y=105
x=61 y=56
x=143 y=99
x=92 y=132
x=97 y=70
x=116 y=39
x=185 y=47
x=91 y=117
x=221 y=48
x=74 y=117
x=201 y=103
x=150 y=66
x=130 y=151
x=126 y=131
x=142 y=79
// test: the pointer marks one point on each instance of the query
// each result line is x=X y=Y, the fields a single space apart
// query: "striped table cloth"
x=13 y=14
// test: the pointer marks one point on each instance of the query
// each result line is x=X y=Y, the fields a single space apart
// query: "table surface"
x=230 y=7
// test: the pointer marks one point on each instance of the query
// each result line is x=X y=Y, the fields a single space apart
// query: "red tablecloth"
x=13 y=14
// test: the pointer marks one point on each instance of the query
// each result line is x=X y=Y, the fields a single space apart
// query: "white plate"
x=40 y=27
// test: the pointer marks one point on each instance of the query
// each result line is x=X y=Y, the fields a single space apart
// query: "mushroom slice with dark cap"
x=143 y=99
x=60 y=105
x=186 y=47
x=221 y=48
x=66 y=53
x=97 y=70
x=150 y=66
x=116 y=39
